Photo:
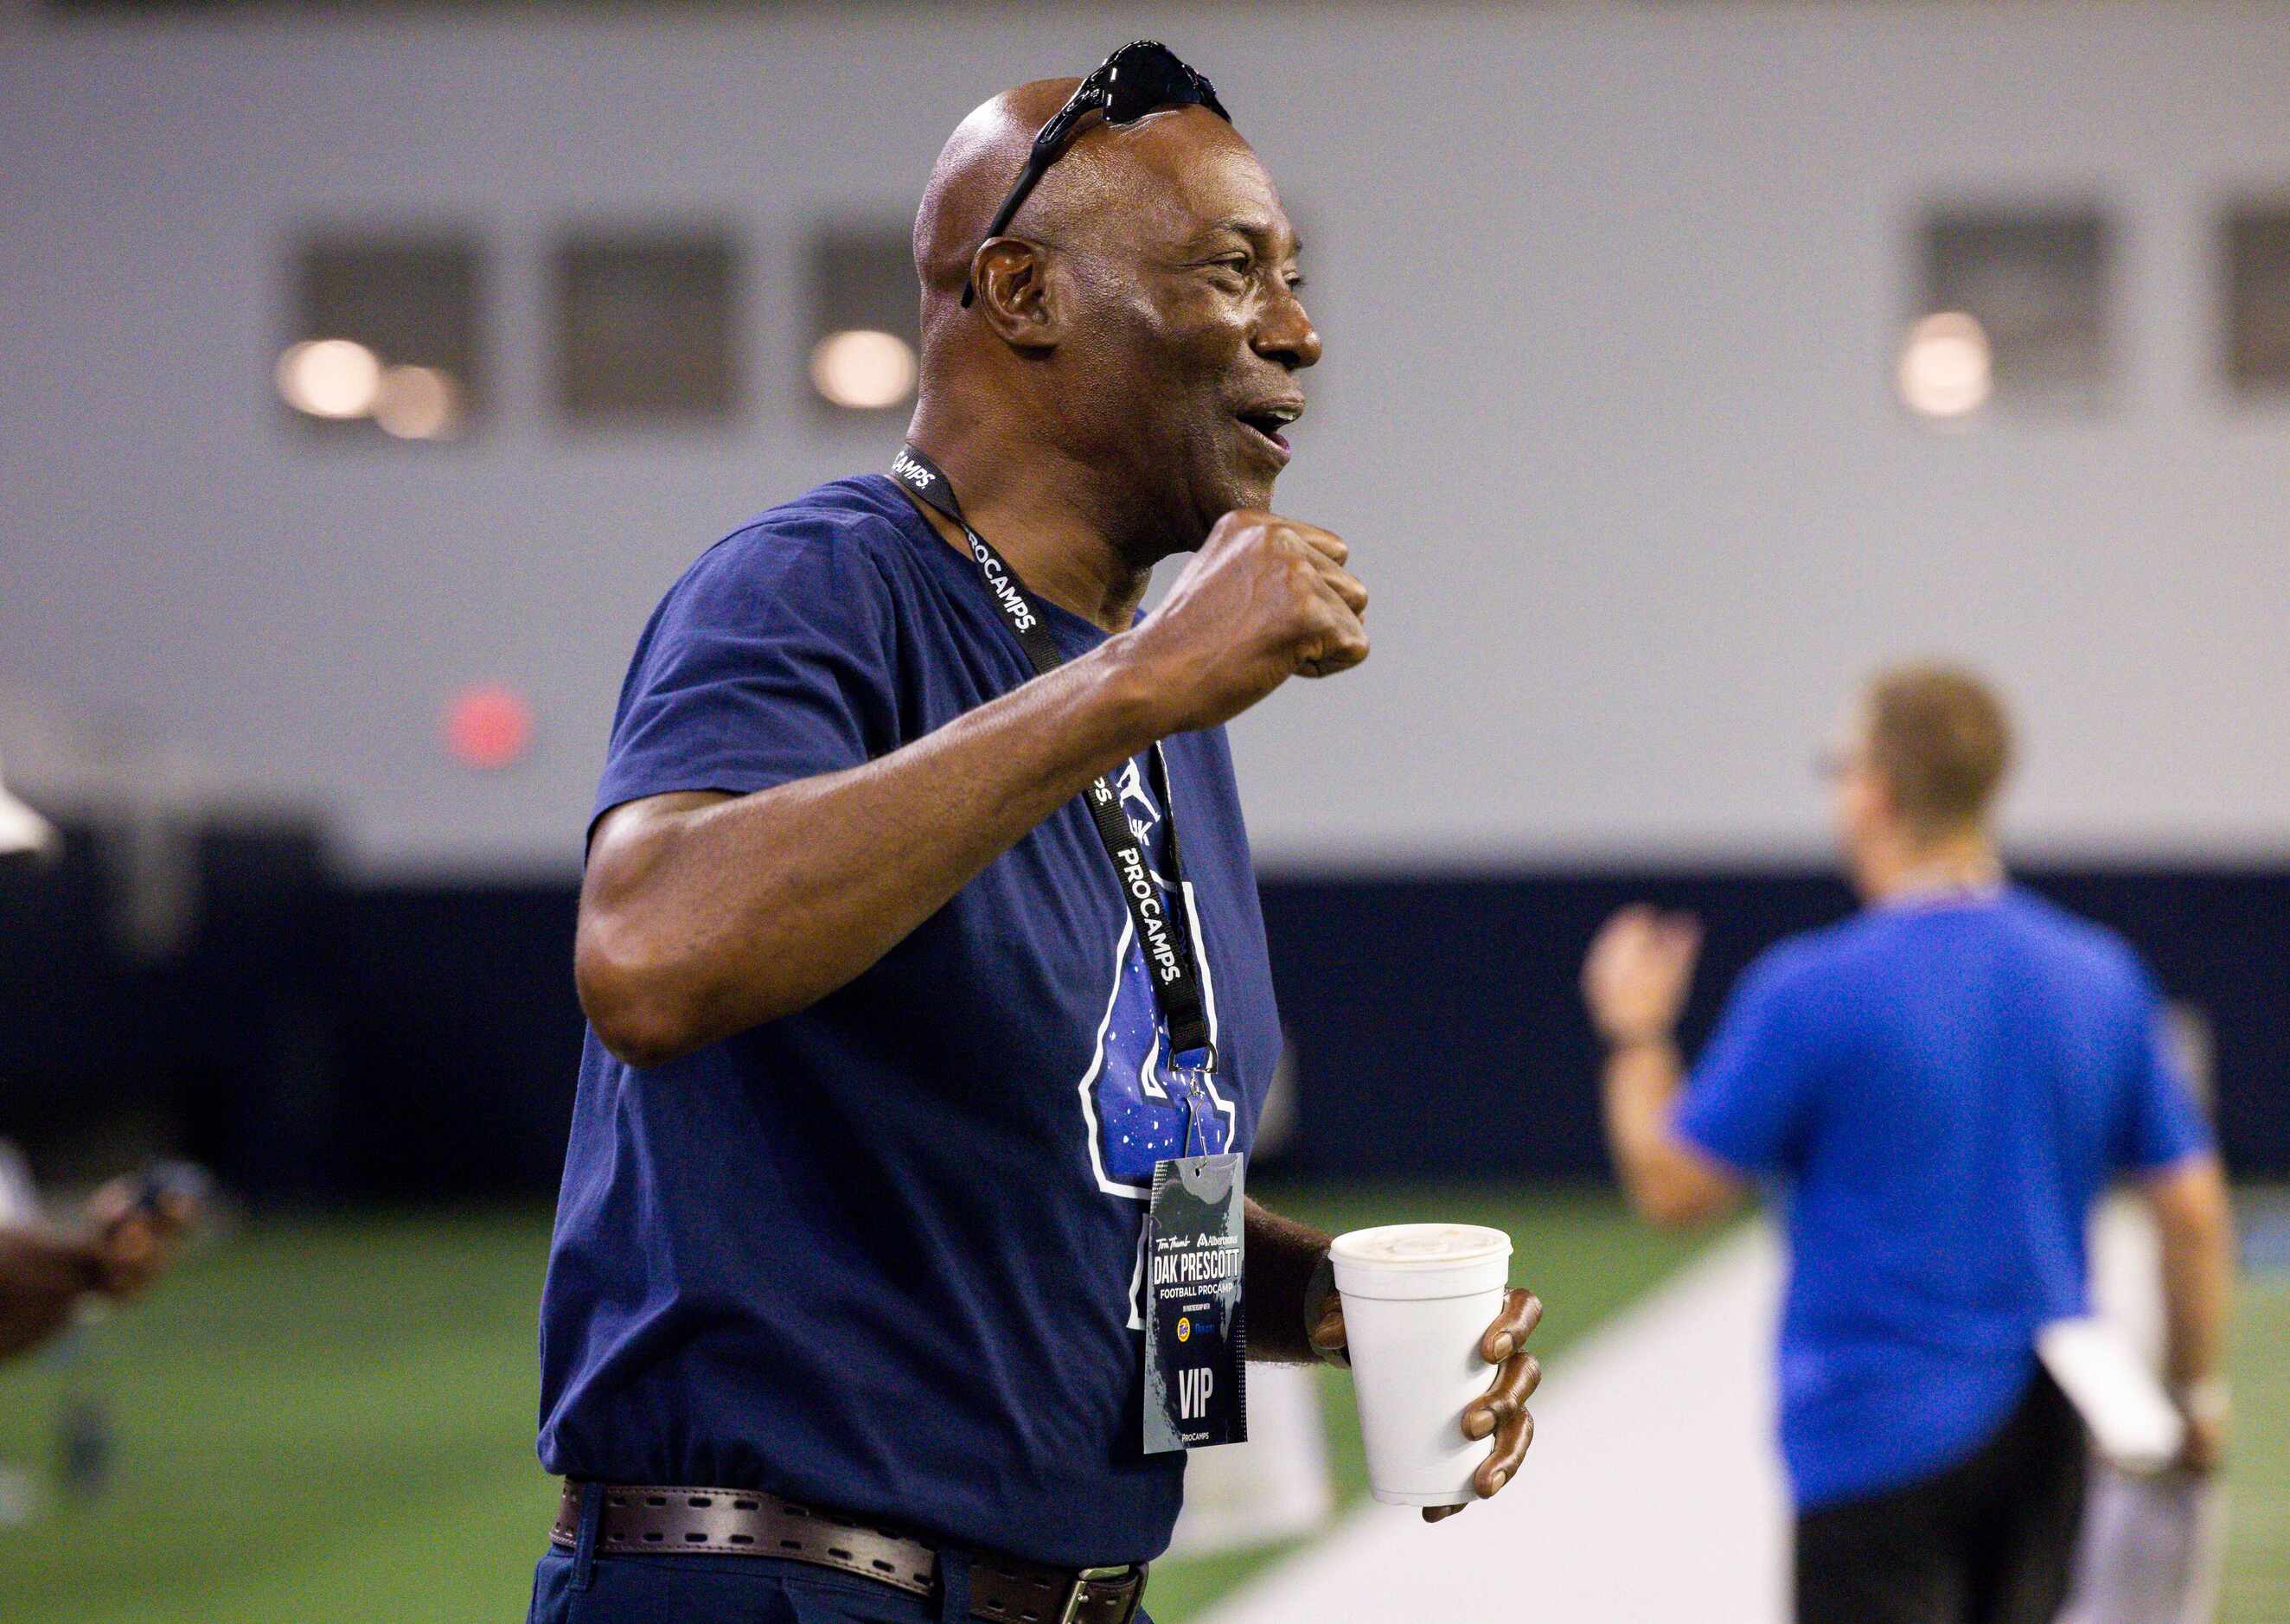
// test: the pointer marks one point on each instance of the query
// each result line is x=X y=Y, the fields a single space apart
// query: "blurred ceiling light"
x=418 y=402
x=863 y=369
x=488 y=726
x=330 y=377
x=1945 y=368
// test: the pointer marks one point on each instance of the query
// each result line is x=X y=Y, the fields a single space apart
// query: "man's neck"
x=1953 y=865
x=1048 y=516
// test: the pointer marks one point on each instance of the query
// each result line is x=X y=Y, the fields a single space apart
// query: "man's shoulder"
x=835 y=556
x=1829 y=969
x=860 y=522
x=1812 y=958
x=2084 y=945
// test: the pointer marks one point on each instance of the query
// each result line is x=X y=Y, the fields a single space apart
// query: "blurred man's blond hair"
x=1939 y=735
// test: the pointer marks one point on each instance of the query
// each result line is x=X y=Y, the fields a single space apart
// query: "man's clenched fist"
x=1263 y=600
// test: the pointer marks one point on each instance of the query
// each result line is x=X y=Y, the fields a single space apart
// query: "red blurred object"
x=489 y=727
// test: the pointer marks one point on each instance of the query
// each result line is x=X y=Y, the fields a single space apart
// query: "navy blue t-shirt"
x=882 y=1254
x=1946 y=1086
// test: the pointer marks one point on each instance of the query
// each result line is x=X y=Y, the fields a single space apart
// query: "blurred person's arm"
x=1667 y=1180
x=2195 y=1223
x=44 y=1275
x=2168 y=1148
x=1635 y=982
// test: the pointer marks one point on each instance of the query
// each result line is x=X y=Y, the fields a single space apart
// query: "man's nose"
x=1285 y=334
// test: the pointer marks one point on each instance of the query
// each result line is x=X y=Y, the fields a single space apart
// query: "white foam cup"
x=1417 y=1298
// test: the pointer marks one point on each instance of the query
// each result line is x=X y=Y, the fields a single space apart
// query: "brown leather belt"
x=648 y=1521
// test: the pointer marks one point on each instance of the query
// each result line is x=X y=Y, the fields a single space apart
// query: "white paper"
x=2134 y=1425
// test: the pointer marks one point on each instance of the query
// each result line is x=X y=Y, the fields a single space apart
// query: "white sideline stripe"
x=1652 y=1495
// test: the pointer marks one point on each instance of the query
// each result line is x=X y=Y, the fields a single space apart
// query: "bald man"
x=921 y=948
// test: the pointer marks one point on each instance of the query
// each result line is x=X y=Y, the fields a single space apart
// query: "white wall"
x=1609 y=297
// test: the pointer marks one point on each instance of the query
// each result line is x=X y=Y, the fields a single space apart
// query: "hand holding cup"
x=1419 y=1341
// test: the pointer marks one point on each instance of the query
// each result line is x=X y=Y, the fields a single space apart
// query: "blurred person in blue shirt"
x=1942 y=1086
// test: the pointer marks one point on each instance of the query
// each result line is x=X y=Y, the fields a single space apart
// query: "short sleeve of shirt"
x=1750 y=1097
x=770 y=661
x=2159 y=1122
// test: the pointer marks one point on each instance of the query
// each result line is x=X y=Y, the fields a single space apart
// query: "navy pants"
x=717 y=1591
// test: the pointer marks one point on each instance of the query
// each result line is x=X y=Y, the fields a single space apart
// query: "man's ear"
x=1883 y=797
x=1017 y=293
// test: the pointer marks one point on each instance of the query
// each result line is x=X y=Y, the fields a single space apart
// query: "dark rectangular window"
x=2034 y=284
x=865 y=322
x=2258 y=299
x=385 y=336
x=646 y=327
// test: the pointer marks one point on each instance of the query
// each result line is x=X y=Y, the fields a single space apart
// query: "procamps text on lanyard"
x=1161 y=934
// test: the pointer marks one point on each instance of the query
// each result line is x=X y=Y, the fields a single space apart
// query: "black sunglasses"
x=1142 y=78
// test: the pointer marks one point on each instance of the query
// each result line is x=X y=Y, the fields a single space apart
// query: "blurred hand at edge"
x=135 y=1245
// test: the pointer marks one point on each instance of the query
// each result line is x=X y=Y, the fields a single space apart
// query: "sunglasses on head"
x=1143 y=76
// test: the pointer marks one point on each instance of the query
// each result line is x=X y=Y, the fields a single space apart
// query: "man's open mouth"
x=1267 y=421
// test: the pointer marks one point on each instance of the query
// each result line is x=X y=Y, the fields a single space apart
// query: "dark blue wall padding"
x=1437 y=1024
x=318 y=1040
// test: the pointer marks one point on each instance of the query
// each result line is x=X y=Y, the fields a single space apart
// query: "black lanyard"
x=1161 y=934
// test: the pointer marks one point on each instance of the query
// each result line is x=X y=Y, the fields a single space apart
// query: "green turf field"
x=2257 y=1588
x=332 y=1421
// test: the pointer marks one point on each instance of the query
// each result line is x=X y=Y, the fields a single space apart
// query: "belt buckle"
x=1084 y=1579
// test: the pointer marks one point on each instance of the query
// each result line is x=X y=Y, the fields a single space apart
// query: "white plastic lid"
x=1402 y=1261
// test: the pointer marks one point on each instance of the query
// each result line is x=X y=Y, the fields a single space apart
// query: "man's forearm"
x=1640 y=1085
x=1283 y=1256
x=1667 y=1180
x=708 y=921
x=42 y=1279
x=2195 y=1222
